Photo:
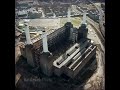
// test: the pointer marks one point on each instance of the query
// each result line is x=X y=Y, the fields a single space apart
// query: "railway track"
x=96 y=28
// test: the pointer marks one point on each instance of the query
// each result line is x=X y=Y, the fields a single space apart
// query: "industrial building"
x=63 y=51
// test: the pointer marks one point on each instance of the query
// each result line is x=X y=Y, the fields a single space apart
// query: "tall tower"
x=68 y=25
x=71 y=32
x=83 y=30
x=45 y=62
x=28 y=46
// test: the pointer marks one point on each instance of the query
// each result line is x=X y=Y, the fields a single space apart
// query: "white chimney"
x=43 y=14
x=27 y=33
x=44 y=40
x=68 y=14
x=84 y=18
x=54 y=15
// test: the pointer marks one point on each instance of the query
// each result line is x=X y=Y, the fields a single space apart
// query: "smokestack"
x=44 y=40
x=28 y=40
x=84 y=18
x=54 y=15
x=43 y=14
x=69 y=13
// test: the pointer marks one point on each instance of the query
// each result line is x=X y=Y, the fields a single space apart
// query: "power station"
x=63 y=51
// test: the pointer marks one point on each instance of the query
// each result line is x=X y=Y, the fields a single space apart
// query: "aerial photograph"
x=60 y=44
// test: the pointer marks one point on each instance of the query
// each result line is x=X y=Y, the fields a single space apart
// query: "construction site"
x=50 y=54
